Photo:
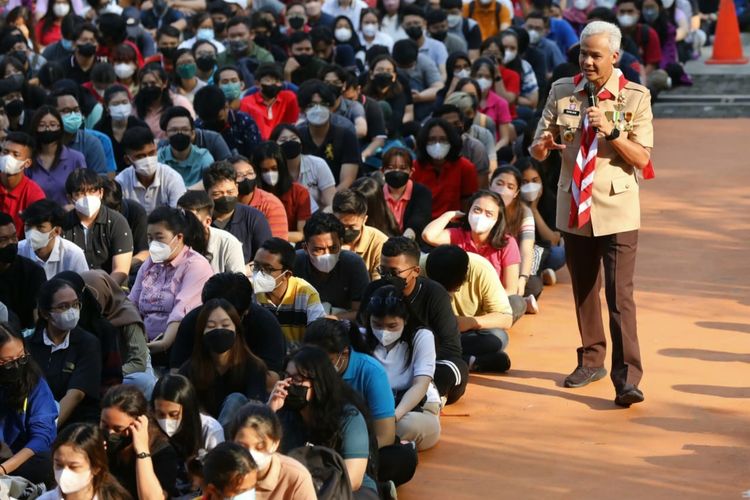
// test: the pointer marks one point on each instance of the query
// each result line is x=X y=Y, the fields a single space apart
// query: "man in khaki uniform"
x=602 y=223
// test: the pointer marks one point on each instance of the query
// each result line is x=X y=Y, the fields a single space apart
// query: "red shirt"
x=275 y=212
x=500 y=258
x=283 y=110
x=16 y=200
x=649 y=50
x=454 y=181
x=49 y=36
x=398 y=207
x=512 y=83
x=297 y=204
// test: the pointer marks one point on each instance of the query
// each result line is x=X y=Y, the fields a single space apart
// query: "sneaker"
x=629 y=395
x=584 y=375
x=531 y=305
x=549 y=277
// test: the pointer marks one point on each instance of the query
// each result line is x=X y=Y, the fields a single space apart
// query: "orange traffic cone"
x=727 y=43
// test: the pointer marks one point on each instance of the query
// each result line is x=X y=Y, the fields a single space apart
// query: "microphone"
x=591 y=92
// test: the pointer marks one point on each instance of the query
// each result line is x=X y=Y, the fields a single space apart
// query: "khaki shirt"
x=615 y=207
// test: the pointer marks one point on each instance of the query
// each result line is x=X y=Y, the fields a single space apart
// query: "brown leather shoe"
x=584 y=375
x=629 y=395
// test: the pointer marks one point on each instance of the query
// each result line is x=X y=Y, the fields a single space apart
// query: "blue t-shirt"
x=355 y=442
x=562 y=33
x=34 y=427
x=368 y=377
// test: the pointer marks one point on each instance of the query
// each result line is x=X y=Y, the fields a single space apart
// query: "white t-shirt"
x=65 y=256
x=226 y=252
x=400 y=373
x=212 y=432
x=316 y=176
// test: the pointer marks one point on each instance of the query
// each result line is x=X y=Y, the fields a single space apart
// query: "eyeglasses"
x=48 y=128
x=76 y=304
x=15 y=363
x=385 y=271
x=264 y=268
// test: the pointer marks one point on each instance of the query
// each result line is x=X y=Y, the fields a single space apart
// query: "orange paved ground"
x=528 y=437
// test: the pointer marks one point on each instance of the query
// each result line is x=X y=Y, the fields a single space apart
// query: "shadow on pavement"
x=724 y=325
x=714 y=390
x=706 y=355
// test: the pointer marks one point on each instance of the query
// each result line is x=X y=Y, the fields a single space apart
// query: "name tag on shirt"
x=572 y=112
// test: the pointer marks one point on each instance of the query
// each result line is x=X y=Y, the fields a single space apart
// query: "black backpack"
x=328 y=471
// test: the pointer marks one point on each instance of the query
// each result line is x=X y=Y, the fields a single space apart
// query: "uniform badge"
x=568 y=135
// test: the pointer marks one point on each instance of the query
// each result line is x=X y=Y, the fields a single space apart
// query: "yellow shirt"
x=482 y=293
x=369 y=247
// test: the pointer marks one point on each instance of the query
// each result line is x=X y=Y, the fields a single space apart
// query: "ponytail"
x=181 y=221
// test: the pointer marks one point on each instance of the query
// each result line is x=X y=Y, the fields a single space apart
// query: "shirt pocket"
x=623 y=184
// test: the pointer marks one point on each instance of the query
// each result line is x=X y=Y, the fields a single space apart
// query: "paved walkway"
x=526 y=436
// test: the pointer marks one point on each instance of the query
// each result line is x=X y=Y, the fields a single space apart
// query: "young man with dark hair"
x=231 y=80
x=181 y=154
x=415 y=24
x=102 y=233
x=422 y=73
x=44 y=245
x=16 y=190
x=537 y=26
x=302 y=64
x=229 y=471
x=241 y=45
x=350 y=207
x=340 y=276
x=431 y=308
x=271 y=104
x=246 y=223
x=293 y=301
x=238 y=129
x=85 y=44
x=335 y=77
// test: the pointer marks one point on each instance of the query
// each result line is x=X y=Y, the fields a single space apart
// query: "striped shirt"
x=299 y=307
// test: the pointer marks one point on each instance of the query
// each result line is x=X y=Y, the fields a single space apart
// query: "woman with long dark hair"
x=116 y=119
x=169 y=283
x=378 y=214
x=81 y=468
x=186 y=83
x=48 y=29
x=485 y=72
x=409 y=202
x=384 y=85
x=154 y=98
x=27 y=411
x=316 y=406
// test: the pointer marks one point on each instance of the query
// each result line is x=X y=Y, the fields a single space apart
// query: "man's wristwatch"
x=613 y=135
x=143 y=454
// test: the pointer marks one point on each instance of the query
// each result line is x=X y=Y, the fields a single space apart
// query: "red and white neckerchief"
x=582 y=183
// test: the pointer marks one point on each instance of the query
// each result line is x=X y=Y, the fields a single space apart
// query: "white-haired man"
x=602 y=147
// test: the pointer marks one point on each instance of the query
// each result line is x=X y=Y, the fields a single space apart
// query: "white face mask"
x=159 y=251
x=484 y=83
x=271 y=178
x=609 y=4
x=464 y=73
x=69 y=481
x=262 y=458
x=169 y=425
x=454 y=20
x=318 y=114
x=88 y=205
x=10 y=165
x=506 y=194
x=386 y=337
x=667 y=3
x=61 y=9
x=66 y=320
x=509 y=55
x=146 y=167
x=37 y=239
x=325 y=263
x=581 y=4
x=534 y=36
x=370 y=29
x=342 y=34
x=245 y=495
x=120 y=112
x=485 y=2
x=263 y=283
x=439 y=150
x=530 y=191
x=124 y=70
x=626 y=20
x=480 y=223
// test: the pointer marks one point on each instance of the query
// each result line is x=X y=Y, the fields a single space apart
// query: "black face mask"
x=160 y=7
x=296 y=397
x=116 y=442
x=336 y=89
x=49 y=136
x=219 y=340
x=396 y=178
x=225 y=204
x=304 y=59
x=150 y=93
x=262 y=40
x=245 y=187
x=397 y=282
x=11 y=376
x=180 y=142
x=382 y=80
x=14 y=108
x=270 y=91
x=21 y=56
x=219 y=27
x=86 y=49
x=168 y=52
x=351 y=235
x=239 y=47
x=414 y=32
x=439 y=35
x=205 y=63
x=296 y=22
x=291 y=149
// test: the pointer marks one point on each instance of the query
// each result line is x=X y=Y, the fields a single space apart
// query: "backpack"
x=328 y=471
x=473 y=6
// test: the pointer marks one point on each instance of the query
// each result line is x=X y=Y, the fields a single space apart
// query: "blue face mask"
x=67 y=44
x=245 y=495
x=72 y=122
x=231 y=91
x=205 y=34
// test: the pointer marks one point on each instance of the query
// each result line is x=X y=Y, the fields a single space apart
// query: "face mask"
x=342 y=34
x=439 y=35
x=530 y=191
x=387 y=337
x=270 y=91
x=262 y=458
x=263 y=283
x=72 y=122
x=49 y=136
x=231 y=91
x=485 y=2
x=484 y=83
x=88 y=205
x=454 y=20
x=159 y=251
x=146 y=167
x=509 y=55
x=581 y=4
x=304 y=59
x=650 y=14
x=396 y=178
x=534 y=37
x=296 y=22
x=205 y=63
x=219 y=340
x=351 y=235
x=439 y=150
x=124 y=70
x=225 y=204
x=326 y=262
x=67 y=480
x=506 y=194
x=291 y=149
x=370 y=29
x=414 y=32
x=37 y=239
x=246 y=186
x=667 y=3
x=66 y=320
x=14 y=108
x=296 y=397
x=8 y=253
x=169 y=425
x=117 y=442
x=187 y=71
x=180 y=142
x=239 y=47
x=86 y=49
x=11 y=375
x=480 y=223
x=270 y=178
x=67 y=44
x=395 y=281
x=120 y=112
x=10 y=165
x=463 y=73
x=150 y=93
x=382 y=80
x=626 y=20
x=317 y=115
x=336 y=89
x=205 y=34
